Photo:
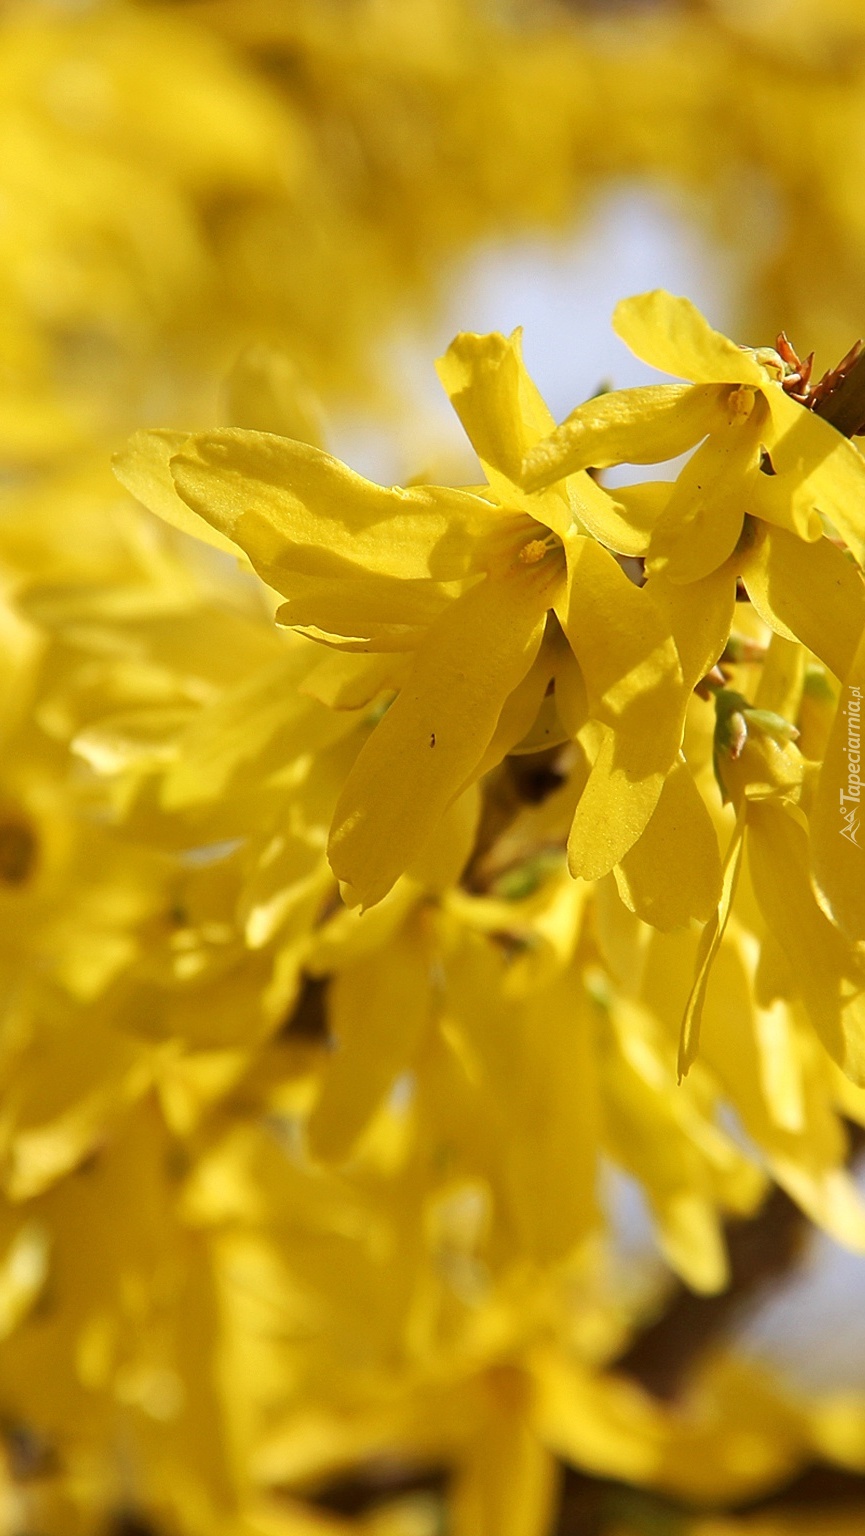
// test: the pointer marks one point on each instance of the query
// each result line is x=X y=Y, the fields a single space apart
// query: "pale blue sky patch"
x=562 y=291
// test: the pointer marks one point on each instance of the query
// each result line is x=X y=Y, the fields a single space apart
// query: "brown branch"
x=593 y=1506
x=844 y=407
x=761 y=1249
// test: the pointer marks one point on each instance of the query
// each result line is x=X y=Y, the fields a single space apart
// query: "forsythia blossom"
x=392 y=876
x=462 y=631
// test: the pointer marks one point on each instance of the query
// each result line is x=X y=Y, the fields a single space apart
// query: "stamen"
x=533 y=552
x=740 y=404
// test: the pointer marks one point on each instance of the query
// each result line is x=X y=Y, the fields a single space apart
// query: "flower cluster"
x=357 y=947
x=392 y=877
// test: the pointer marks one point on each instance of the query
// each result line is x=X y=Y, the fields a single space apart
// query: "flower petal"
x=815 y=951
x=621 y=640
x=520 y=710
x=256 y=727
x=812 y=593
x=700 y=527
x=501 y=409
x=436 y=731
x=698 y=615
x=815 y=470
x=342 y=681
x=382 y=611
x=504 y=416
x=266 y=390
x=296 y=510
x=671 y=334
x=612 y=813
x=673 y=872
x=143 y=466
x=623 y=519
x=635 y=688
x=506 y=1482
x=625 y=426
x=377 y=1012
x=710 y=943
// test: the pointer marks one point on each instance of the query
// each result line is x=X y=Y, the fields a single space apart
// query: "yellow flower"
x=764 y=454
x=498 y=596
x=763 y=773
x=118 y=1345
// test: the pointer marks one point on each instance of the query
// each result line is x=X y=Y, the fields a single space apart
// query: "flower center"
x=740 y=404
x=533 y=552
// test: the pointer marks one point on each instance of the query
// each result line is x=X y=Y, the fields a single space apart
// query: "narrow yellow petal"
x=143 y=466
x=445 y=855
x=701 y=523
x=343 y=681
x=24 y=1269
x=612 y=813
x=537 y=1088
x=671 y=334
x=815 y=470
x=507 y=1481
x=635 y=689
x=499 y=406
x=812 y=593
x=621 y=640
x=698 y=615
x=388 y=614
x=626 y=426
x=782 y=678
x=377 y=1012
x=504 y=416
x=818 y=957
x=435 y=733
x=602 y=1422
x=296 y=510
x=624 y=518
x=253 y=729
x=267 y=392
x=710 y=943
x=673 y=872
x=519 y=711
x=572 y=705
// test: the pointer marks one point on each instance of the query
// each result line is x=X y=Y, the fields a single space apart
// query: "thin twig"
x=844 y=408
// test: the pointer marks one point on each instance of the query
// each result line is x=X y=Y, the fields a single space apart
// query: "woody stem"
x=844 y=408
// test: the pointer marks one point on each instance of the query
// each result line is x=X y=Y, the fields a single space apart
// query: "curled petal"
x=144 y=467
x=671 y=334
x=297 y=511
x=501 y=409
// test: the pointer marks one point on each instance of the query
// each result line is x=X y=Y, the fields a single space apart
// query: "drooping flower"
x=499 y=596
x=761 y=452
